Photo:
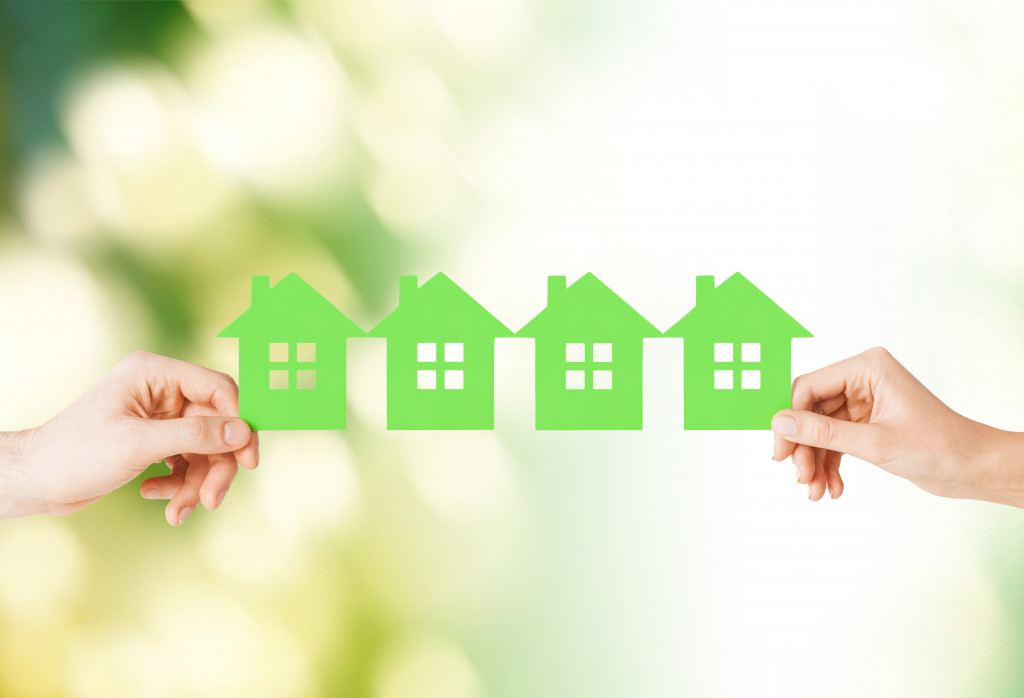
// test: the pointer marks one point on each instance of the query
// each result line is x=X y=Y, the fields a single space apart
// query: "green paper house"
x=737 y=356
x=589 y=347
x=440 y=365
x=291 y=357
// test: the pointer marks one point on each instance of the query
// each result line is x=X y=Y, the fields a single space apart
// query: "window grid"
x=444 y=360
x=737 y=366
x=292 y=365
x=588 y=365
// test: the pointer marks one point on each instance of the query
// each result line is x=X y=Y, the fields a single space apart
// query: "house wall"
x=265 y=409
x=707 y=408
x=621 y=407
x=471 y=407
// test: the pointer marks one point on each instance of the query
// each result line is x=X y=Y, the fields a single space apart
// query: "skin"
x=147 y=409
x=872 y=408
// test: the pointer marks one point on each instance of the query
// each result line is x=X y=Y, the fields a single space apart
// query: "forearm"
x=15 y=479
x=999 y=467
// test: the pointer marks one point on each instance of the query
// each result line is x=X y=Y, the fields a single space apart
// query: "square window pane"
x=750 y=380
x=426 y=352
x=279 y=380
x=278 y=351
x=575 y=351
x=453 y=351
x=723 y=351
x=453 y=380
x=603 y=351
x=305 y=380
x=602 y=380
x=575 y=380
x=426 y=380
x=305 y=352
x=723 y=380
x=750 y=352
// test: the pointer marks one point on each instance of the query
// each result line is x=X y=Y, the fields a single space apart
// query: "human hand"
x=872 y=408
x=148 y=408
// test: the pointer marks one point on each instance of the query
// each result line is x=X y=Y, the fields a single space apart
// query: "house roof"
x=736 y=304
x=439 y=305
x=290 y=305
x=586 y=307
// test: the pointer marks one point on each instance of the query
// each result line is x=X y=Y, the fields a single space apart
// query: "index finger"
x=198 y=384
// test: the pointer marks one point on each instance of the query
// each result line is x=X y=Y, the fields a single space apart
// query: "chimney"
x=705 y=284
x=406 y=287
x=260 y=289
x=556 y=287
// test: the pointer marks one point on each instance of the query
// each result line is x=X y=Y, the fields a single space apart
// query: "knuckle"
x=878 y=354
x=822 y=432
x=193 y=431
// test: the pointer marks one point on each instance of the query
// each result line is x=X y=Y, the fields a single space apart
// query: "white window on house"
x=727 y=366
x=575 y=380
x=305 y=380
x=453 y=352
x=426 y=380
x=602 y=380
x=750 y=380
x=279 y=380
x=723 y=380
x=429 y=365
x=426 y=352
x=589 y=365
x=285 y=358
x=453 y=380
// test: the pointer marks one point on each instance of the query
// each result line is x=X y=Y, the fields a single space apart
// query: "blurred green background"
x=862 y=162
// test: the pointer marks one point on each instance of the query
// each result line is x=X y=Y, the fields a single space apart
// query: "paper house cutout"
x=589 y=346
x=737 y=356
x=440 y=357
x=291 y=357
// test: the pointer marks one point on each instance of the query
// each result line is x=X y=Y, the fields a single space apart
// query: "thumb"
x=160 y=438
x=813 y=429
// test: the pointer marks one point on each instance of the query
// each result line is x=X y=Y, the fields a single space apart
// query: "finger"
x=832 y=478
x=249 y=455
x=223 y=469
x=805 y=427
x=825 y=383
x=782 y=449
x=184 y=502
x=164 y=486
x=803 y=459
x=816 y=488
x=197 y=383
x=156 y=439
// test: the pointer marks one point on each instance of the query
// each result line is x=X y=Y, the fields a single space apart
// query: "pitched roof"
x=438 y=305
x=290 y=305
x=734 y=304
x=585 y=307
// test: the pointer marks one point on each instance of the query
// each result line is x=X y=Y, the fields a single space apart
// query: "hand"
x=872 y=408
x=148 y=408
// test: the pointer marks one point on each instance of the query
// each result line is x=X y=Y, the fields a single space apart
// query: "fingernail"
x=784 y=425
x=235 y=433
x=184 y=515
x=808 y=491
x=151 y=493
x=220 y=497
